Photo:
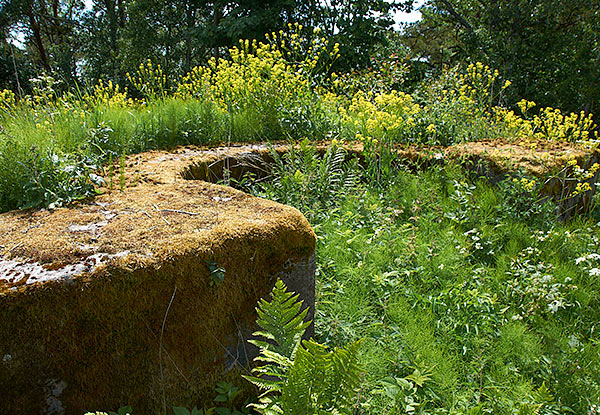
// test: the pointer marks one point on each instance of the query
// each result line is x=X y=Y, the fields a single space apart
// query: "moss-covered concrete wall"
x=146 y=294
x=90 y=293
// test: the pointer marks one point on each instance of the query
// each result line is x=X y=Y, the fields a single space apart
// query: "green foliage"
x=216 y=275
x=309 y=181
x=463 y=307
x=300 y=377
x=549 y=49
x=52 y=181
x=180 y=410
x=522 y=201
x=402 y=392
x=226 y=397
x=124 y=410
x=276 y=89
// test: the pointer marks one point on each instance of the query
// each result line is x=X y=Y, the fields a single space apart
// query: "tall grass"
x=48 y=140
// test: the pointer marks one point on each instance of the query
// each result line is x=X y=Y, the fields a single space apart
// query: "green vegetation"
x=80 y=42
x=225 y=401
x=53 y=144
x=300 y=377
x=468 y=300
x=458 y=296
x=548 y=48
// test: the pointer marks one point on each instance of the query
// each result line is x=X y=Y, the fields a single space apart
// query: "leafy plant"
x=522 y=200
x=402 y=392
x=309 y=181
x=300 y=377
x=180 y=410
x=124 y=410
x=217 y=273
x=53 y=181
x=226 y=396
x=535 y=290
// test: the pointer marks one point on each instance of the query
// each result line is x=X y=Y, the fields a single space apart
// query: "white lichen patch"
x=89 y=227
x=20 y=271
x=95 y=226
x=54 y=388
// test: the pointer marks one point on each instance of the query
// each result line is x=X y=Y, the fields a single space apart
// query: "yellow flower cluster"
x=367 y=140
x=256 y=73
x=109 y=95
x=307 y=52
x=580 y=174
x=525 y=106
x=193 y=84
x=510 y=124
x=8 y=100
x=478 y=81
x=549 y=125
x=525 y=184
x=572 y=162
x=46 y=127
x=552 y=124
x=386 y=115
x=475 y=89
x=149 y=80
x=581 y=187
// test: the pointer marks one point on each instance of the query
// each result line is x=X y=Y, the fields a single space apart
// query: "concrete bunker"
x=493 y=159
x=140 y=295
x=148 y=292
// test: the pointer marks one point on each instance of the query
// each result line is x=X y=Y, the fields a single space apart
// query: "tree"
x=48 y=28
x=549 y=49
x=178 y=34
x=15 y=68
x=102 y=28
x=358 y=26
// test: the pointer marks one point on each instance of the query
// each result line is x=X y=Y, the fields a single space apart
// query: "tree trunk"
x=37 y=38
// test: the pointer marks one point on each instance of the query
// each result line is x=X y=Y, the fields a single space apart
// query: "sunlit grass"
x=429 y=291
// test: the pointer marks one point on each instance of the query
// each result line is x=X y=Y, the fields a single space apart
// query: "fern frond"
x=300 y=378
x=283 y=319
x=344 y=376
x=264 y=384
x=269 y=356
x=267 y=407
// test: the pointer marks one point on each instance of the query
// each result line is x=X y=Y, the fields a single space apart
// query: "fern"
x=310 y=182
x=281 y=320
x=297 y=377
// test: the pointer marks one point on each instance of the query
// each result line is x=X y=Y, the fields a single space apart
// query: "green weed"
x=491 y=311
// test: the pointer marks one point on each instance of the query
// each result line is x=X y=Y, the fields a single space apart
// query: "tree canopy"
x=88 y=40
x=549 y=49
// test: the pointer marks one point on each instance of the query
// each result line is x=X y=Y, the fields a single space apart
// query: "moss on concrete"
x=84 y=289
x=89 y=285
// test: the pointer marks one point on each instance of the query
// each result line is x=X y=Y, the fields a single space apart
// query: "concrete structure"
x=143 y=296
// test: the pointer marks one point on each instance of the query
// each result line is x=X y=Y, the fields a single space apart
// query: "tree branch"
x=452 y=10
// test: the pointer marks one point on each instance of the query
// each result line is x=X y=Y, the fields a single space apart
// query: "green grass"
x=451 y=286
x=41 y=149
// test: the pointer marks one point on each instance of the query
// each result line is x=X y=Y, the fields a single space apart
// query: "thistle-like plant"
x=299 y=377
